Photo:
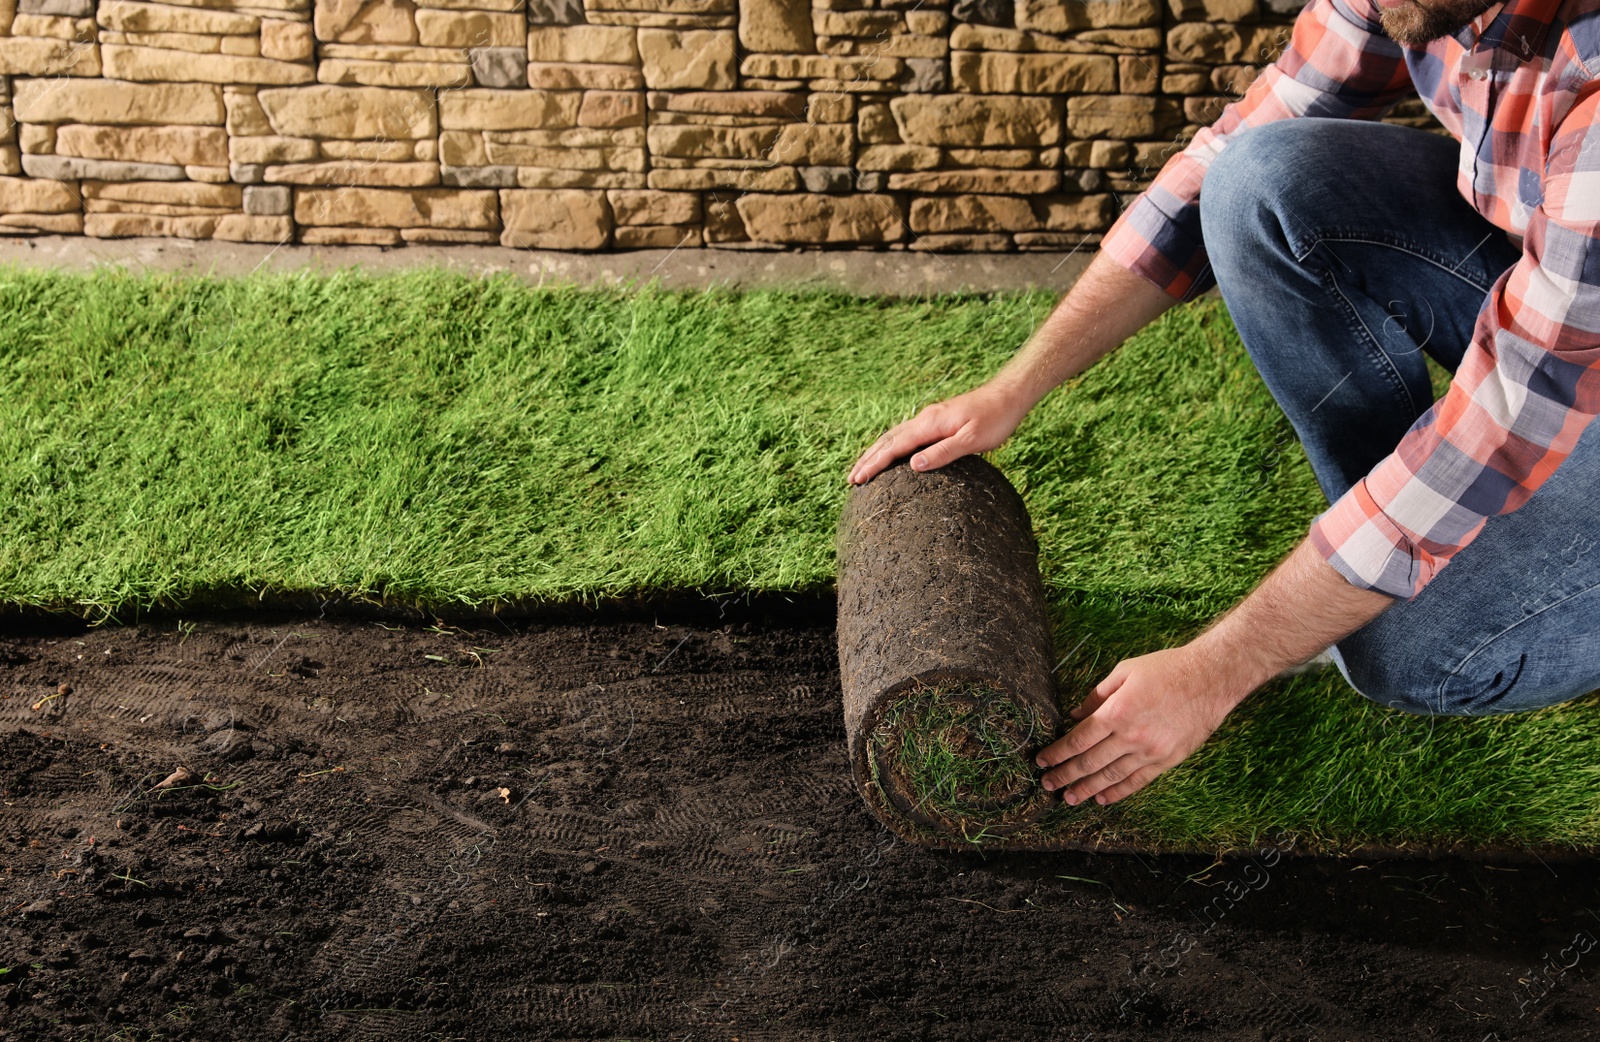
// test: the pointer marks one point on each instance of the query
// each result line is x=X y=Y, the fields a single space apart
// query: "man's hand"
x=1152 y=711
x=1147 y=715
x=973 y=422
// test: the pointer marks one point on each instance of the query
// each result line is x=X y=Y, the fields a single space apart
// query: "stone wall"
x=612 y=124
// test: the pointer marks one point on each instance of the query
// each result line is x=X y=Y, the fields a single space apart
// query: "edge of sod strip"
x=440 y=442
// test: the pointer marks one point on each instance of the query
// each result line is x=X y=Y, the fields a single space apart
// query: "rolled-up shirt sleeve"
x=1337 y=63
x=1526 y=388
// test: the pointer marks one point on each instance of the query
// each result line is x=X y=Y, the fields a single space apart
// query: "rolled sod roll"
x=945 y=655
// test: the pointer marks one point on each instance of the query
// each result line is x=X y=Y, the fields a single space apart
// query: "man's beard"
x=1416 y=26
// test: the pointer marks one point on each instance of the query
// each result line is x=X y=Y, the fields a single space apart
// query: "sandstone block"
x=826 y=178
x=72 y=168
x=38 y=138
x=131 y=17
x=1061 y=16
x=543 y=177
x=247 y=173
x=1233 y=79
x=351 y=112
x=449 y=235
x=1121 y=116
x=831 y=108
x=650 y=207
x=165 y=193
x=688 y=60
x=128 y=225
x=1108 y=154
x=42 y=223
x=555 y=219
x=555 y=12
x=875 y=125
x=593 y=158
x=59 y=8
x=365 y=21
x=784 y=105
x=394 y=74
x=205 y=146
x=462 y=148
x=348 y=172
x=506 y=110
x=926 y=75
x=207 y=174
x=156 y=64
x=268 y=201
x=286 y=41
x=397 y=208
x=809 y=218
x=607 y=108
x=962 y=243
x=238 y=227
x=972 y=213
x=245 y=115
x=1213 y=43
x=699 y=142
x=1214 y=10
x=755 y=179
x=1205 y=110
x=599 y=44
x=821 y=66
x=930 y=23
x=272 y=149
x=499 y=66
x=993 y=73
x=982 y=182
x=875 y=25
x=644 y=237
x=33 y=56
x=479 y=176
x=1137 y=73
x=376 y=151
x=581 y=76
x=1185 y=82
x=777 y=26
x=978 y=120
x=346 y=236
x=470 y=29
x=1002 y=158
x=77 y=30
x=814 y=144
x=1054 y=240
x=1076 y=212
x=26 y=195
x=897 y=158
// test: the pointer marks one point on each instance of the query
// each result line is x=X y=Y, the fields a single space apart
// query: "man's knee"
x=1249 y=183
x=1394 y=675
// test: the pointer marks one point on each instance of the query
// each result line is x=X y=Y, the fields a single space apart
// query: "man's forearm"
x=1299 y=609
x=1106 y=306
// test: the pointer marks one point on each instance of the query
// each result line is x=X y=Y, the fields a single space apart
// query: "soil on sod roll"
x=648 y=830
x=945 y=655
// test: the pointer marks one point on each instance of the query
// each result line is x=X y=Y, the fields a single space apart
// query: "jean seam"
x=1439 y=694
x=1360 y=326
x=1405 y=246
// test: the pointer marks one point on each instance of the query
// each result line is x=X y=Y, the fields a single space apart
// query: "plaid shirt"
x=1516 y=89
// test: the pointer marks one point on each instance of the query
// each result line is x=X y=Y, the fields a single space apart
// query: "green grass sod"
x=433 y=439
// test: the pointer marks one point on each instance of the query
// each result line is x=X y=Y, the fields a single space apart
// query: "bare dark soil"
x=631 y=830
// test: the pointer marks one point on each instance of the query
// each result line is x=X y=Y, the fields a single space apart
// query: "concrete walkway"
x=887 y=272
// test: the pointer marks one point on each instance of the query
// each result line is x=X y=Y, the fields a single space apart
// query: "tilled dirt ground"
x=646 y=830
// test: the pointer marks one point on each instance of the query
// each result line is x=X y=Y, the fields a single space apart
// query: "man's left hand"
x=1148 y=714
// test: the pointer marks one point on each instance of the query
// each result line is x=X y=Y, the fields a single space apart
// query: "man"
x=1344 y=248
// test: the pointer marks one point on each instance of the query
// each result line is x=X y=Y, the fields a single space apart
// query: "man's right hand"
x=977 y=421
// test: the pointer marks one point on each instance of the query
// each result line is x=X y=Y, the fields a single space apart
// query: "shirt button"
x=1477 y=74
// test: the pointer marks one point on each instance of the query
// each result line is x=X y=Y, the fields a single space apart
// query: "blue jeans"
x=1344 y=253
